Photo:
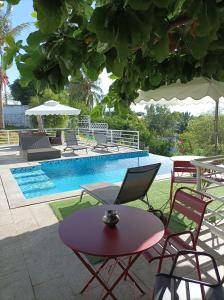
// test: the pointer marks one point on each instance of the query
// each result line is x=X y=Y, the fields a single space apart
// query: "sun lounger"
x=72 y=142
x=36 y=147
x=135 y=186
x=101 y=141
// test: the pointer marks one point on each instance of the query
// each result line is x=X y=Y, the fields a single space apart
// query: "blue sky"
x=21 y=13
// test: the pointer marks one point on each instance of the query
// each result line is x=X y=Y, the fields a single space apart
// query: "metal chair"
x=183 y=172
x=101 y=141
x=135 y=186
x=72 y=142
x=171 y=287
x=189 y=204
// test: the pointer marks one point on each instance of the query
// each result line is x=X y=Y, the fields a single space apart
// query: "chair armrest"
x=179 y=234
x=196 y=254
x=173 y=235
x=159 y=214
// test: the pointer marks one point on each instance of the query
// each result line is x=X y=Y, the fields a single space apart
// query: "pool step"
x=35 y=180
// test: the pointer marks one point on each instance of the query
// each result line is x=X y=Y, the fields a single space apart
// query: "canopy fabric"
x=52 y=107
x=197 y=89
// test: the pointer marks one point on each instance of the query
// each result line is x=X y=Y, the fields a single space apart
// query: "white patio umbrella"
x=51 y=107
x=196 y=89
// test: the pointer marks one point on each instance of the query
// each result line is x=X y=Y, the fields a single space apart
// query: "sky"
x=21 y=13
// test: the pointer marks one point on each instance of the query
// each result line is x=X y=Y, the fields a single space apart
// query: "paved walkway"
x=36 y=265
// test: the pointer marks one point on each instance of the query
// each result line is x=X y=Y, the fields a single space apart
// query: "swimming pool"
x=53 y=177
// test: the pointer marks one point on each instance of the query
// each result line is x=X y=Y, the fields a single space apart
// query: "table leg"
x=95 y=275
x=132 y=279
x=125 y=272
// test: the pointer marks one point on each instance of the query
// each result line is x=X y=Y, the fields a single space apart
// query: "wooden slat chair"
x=183 y=172
x=172 y=287
x=191 y=205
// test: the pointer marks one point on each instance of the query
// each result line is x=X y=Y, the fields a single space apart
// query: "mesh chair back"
x=34 y=142
x=70 y=138
x=136 y=183
x=101 y=138
x=190 y=204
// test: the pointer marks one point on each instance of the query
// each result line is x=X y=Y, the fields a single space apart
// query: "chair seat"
x=78 y=147
x=175 y=244
x=103 y=191
x=170 y=287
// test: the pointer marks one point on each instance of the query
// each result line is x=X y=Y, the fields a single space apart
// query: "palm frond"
x=18 y=29
x=8 y=11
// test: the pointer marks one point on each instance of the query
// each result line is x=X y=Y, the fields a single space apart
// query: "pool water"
x=53 y=177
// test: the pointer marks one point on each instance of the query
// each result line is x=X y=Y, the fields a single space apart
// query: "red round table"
x=84 y=232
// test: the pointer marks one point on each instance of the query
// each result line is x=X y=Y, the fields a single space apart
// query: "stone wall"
x=15 y=115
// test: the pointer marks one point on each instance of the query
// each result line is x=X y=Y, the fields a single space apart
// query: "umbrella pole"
x=216 y=125
x=40 y=123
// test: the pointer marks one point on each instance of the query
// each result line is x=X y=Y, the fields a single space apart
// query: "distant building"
x=15 y=115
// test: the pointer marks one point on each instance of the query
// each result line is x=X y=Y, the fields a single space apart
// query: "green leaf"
x=155 y=79
x=99 y=24
x=163 y=3
x=36 y=38
x=13 y=2
x=207 y=18
x=50 y=14
x=10 y=40
x=160 y=50
x=140 y=4
x=113 y=64
x=34 y=14
x=198 y=46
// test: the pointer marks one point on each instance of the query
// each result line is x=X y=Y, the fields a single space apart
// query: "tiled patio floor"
x=34 y=264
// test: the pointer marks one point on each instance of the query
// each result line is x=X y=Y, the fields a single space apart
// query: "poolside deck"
x=36 y=265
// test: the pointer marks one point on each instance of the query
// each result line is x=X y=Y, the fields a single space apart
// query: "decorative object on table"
x=111 y=217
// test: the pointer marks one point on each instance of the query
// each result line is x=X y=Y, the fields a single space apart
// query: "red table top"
x=136 y=231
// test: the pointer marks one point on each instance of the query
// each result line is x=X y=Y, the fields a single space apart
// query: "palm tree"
x=85 y=90
x=5 y=31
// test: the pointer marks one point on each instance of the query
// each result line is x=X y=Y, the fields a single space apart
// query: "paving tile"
x=7 y=232
x=43 y=214
x=24 y=220
x=55 y=289
x=11 y=257
x=16 y=286
x=45 y=255
x=5 y=217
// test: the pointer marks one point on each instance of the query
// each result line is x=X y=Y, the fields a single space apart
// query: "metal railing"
x=210 y=182
x=126 y=138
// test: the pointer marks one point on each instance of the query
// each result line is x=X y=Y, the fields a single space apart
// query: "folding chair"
x=183 y=172
x=191 y=205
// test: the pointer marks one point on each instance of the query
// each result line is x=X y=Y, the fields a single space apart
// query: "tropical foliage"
x=198 y=138
x=22 y=94
x=144 y=43
x=7 y=35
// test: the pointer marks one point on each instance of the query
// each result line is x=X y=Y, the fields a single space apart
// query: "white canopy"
x=196 y=89
x=52 y=107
